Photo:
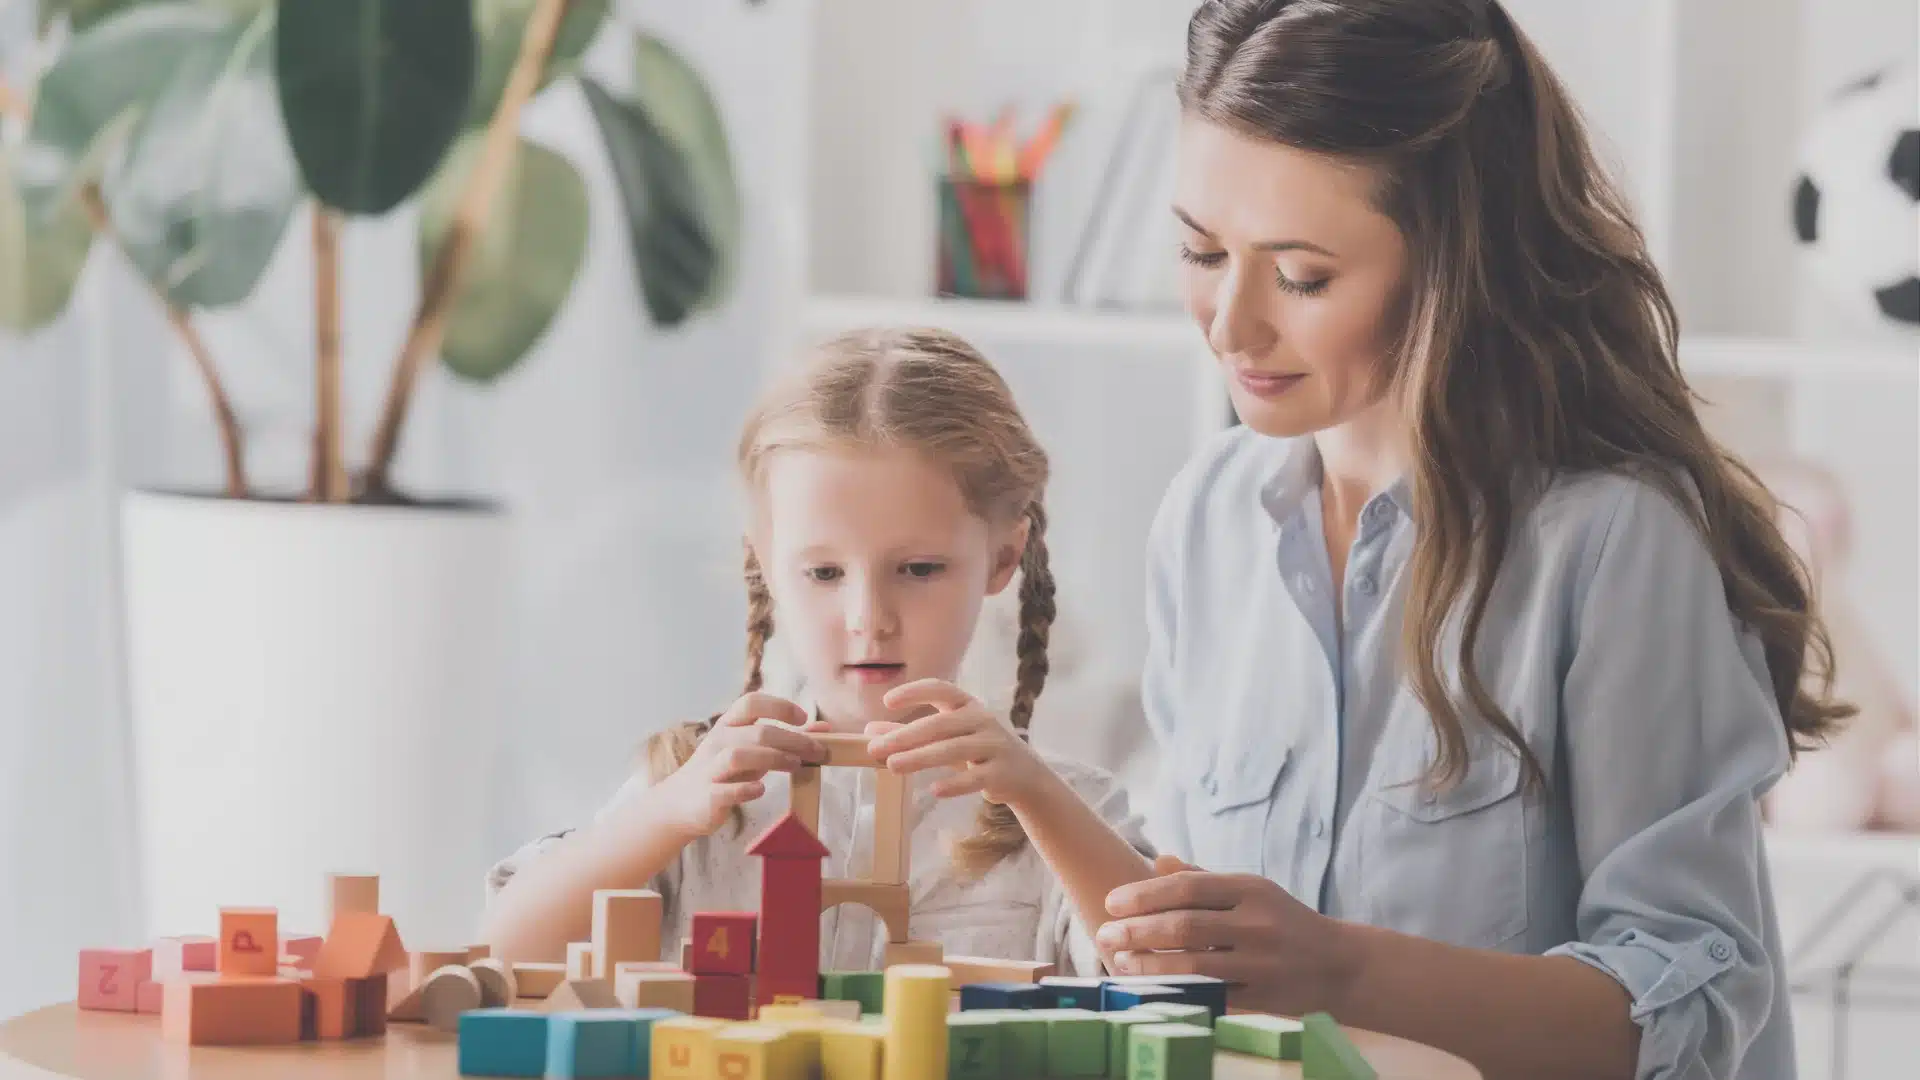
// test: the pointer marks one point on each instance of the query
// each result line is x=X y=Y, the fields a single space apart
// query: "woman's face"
x=1291 y=272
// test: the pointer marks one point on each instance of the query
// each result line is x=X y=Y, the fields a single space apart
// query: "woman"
x=1470 y=652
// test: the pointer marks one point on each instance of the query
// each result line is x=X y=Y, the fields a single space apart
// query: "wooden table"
x=61 y=1041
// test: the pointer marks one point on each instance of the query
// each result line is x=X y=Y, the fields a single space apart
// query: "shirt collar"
x=1297 y=476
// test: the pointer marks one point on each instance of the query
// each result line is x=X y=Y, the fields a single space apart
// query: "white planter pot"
x=313 y=689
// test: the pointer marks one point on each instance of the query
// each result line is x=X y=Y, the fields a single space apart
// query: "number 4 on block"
x=723 y=942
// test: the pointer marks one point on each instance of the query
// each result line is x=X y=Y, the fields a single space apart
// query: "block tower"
x=788 y=964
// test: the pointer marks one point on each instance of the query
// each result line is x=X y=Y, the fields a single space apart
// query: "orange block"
x=361 y=945
x=173 y=955
x=249 y=941
x=329 y=1008
x=233 y=1011
x=302 y=947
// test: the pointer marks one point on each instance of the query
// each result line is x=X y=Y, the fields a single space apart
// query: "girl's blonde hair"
x=927 y=391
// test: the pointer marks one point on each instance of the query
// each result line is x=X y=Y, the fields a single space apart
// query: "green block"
x=1023 y=1040
x=874 y=1019
x=1327 y=1054
x=869 y=988
x=1076 y=1042
x=1170 y=1052
x=1179 y=1012
x=973 y=1047
x=1117 y=1025
x=1273 y=1037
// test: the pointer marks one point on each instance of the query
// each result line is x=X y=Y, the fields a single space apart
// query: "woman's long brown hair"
x=1539 y=341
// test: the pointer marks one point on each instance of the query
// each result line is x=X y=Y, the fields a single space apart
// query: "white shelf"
x=1811 y=361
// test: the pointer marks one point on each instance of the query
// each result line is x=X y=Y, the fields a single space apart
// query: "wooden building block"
x=846 y=1011
x=983 y=969
x=232 y=1011
x=150 y=997
x=1171 y=1052
x=723 y=942
x=804 y=803
x=891 y=860
x=358 y=893
x=646 y=989
x=1119 y=1024
x=1003 y=996
x=446 y=993
x=409 y=1008
x=1195 y=989
x=756 y=1052
x=973 y=1047
x=497 y=988
x=916 y=1032
x=686 y=955
x=643 y=1021
x=110 y=978
x=503 y=1042
x=424 y=962
x=174 y=955
x=580 y=960
x=537 y=979
x=303 y=948
x=893 y=903
x=579 y=995
x=723 y=997
x=912 y=952
x=1076 y=1043
x=249 y=941
x=329 y=1008
x=360 y=946
x=787 y=962
x=851 y=1052
x=1023 y=1042
x=802 y=1026
x=1179 y=1012
x=626 y=926
x=846 y=750
x=683 y=1048
x=478 y=952
x=1275 y=1037
x=370 y=995
x=591 y=1044
x=866 y=988
x=1119 y=998
x=1073 y=993
x=1327 y=1054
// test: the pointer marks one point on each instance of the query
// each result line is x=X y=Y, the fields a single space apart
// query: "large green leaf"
x=675 y=95
x=203 y=194
x=95 y=93
x=38 y=263
x=524 y=262
x=373 y=92
x=673 y=250
x=500 y=24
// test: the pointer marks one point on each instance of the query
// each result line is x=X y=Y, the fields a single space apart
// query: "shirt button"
x=1378 y=512
x=1720 y=950
x=1319 y=827
x=1365 y=585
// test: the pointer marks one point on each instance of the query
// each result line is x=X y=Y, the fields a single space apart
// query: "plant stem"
x=230 y=437
x=443 y=277
x=329 y=470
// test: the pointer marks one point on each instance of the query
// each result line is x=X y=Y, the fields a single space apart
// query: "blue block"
x=1115 y=997
x=643 y=1021
x=590 y=1045
x=503 y=1042
x=1071 y=993
x=1194 y=989
x=1003 y=996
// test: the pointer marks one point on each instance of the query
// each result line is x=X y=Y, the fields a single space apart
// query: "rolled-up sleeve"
x=1672 y=734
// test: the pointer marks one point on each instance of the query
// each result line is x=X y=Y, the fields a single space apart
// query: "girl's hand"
x=727 y=769
x=1285 y=956
x=991 y=758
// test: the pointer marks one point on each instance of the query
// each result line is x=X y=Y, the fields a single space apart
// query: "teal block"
x=1327 y=1054
x=503 y=1042
x=1076 y=1042
x=973 y=1047
x=1170 y=1052
x=1179 y=1012
x=1275 y=1037
x=1068 y=992
x=1118 y=1024
x=591 y=1045
x=869 y=988
x=642 y=1021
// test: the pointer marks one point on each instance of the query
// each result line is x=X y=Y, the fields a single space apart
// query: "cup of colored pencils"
x=985 y=193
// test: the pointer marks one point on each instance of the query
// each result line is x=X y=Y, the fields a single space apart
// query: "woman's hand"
x=728 y=768
x=991 y=758
x=1284 y=956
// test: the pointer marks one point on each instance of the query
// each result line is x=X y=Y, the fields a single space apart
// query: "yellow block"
x=757 y=1052
x=916 y=1031
x=803 y=1023
x=683 y=1047
x=851 y=1051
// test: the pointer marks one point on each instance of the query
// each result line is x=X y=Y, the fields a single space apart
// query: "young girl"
x=895 y=487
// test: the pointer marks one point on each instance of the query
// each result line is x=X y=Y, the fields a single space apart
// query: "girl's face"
x=1291 y=272
x=877 y=569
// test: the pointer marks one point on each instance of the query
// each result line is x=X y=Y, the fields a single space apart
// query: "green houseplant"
x=188 y=132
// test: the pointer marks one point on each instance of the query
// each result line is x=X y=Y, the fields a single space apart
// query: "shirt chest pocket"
x=1449 y=865
x=1229 y=802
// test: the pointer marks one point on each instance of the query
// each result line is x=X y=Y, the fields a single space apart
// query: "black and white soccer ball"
x=1856 y=207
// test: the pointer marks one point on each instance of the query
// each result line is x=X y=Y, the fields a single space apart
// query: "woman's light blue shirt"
x=1289 y=738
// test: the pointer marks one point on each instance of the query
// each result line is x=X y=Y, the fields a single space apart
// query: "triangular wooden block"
x=578 y=994
x=360 y=946
x=408 y=1009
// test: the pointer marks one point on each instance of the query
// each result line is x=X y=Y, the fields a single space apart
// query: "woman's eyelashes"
x=1212 y=260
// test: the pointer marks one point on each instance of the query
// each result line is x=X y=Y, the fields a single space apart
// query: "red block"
x=174 y=955
x=788 y=961
x=110 y=978
x=724 y=997
x=149 y=997
x=723 y=942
